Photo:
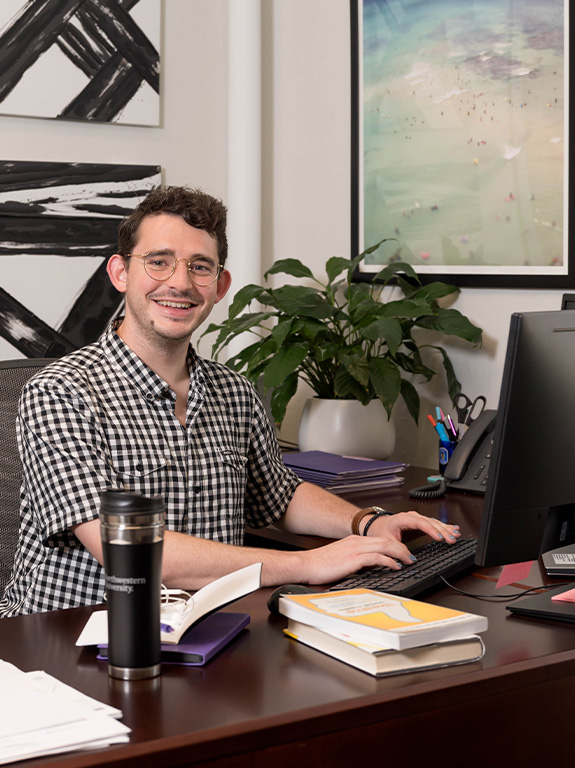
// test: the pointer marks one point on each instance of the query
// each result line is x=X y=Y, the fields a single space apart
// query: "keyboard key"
x=434 y=560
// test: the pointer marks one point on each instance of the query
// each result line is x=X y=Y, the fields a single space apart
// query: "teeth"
x=175 y=304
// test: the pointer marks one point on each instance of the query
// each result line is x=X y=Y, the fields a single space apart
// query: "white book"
x=177 y=618
x=380 y=660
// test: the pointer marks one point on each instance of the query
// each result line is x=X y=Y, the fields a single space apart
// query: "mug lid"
x=127 y=502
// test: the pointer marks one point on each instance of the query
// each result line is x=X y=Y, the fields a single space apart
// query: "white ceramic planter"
x=346 y=427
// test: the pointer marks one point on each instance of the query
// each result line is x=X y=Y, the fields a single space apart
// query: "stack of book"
x=383 y=634
x=340 y=474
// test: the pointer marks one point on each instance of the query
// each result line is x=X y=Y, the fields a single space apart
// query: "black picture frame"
x=59 y=211
x=396 y=16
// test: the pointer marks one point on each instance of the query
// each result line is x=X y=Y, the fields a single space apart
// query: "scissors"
x=468 y=410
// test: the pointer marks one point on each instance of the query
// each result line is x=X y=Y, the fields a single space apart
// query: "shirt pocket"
x=141 y=472
x=231 y=472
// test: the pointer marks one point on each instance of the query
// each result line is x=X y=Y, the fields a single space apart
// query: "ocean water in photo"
x=464 y=132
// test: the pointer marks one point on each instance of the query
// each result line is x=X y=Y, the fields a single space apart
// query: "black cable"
x=432 y=491
x=503 y=598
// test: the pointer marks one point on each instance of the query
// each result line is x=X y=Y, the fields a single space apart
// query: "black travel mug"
x=132 y=539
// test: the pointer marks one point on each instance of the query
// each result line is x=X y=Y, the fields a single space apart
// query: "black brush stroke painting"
x=99 y=37
x=65 y=210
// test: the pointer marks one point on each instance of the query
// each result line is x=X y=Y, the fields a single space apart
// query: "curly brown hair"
x=196 y=207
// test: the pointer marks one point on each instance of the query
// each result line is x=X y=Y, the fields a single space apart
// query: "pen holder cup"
x=445 y=451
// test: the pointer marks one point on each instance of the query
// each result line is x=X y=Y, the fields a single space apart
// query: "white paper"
x=41 y=715
x=95 y=631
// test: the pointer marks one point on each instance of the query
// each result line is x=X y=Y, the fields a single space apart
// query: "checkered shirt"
x=100 y=419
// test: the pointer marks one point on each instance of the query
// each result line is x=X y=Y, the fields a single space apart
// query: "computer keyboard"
x=434 y=560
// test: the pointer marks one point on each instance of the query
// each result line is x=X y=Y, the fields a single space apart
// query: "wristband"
x=380 y=513
x=358 y=517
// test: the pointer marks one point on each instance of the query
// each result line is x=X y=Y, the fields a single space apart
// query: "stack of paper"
x=344 y=473
x=39 y=715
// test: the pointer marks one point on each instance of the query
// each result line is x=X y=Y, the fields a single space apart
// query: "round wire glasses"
x=161 y=265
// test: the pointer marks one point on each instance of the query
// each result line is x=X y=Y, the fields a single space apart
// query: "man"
x=139 y=410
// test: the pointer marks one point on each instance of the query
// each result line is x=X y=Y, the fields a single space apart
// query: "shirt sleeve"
x=64 y=456
x=271 y=484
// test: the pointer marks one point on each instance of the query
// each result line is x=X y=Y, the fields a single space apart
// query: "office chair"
x=13 y=375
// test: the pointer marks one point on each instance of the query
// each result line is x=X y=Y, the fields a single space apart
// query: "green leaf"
x=357 y=294
x=372 y=248
x=433 y=291
x=357 y=366
x=232 y=328
x=356 y=261
x=452 y=322
x=281 y=331
x=309 y=328
x=244 y=297
x=347 y=387
x=281 y=396
x=453 y=384
x=396 y=268
x=407 y=308
x=286 y=361
x=257 y=360
x=335 y=266
x=386 y=381
x=385 y=329
x=296 y=301
x=292 y=267
x=326 y=351
x=411 y=399
x=414 y=364
x=243 y=358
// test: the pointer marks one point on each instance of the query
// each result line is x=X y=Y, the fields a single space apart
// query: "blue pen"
x=442 y=432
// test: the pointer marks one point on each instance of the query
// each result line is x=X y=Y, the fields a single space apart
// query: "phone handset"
x=469 y=462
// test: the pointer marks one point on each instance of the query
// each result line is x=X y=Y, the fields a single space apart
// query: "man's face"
x=172 y=309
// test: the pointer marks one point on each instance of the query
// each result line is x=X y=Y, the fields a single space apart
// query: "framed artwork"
x=81 y=60
x=58 y=226
x=460 y=139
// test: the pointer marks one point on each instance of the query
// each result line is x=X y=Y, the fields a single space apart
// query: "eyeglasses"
x=161 y=265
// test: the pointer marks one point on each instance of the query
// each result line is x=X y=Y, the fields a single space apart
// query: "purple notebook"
x=202 y=641
x=332 y=464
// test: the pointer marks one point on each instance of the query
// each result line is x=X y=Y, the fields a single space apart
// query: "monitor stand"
x=560 y=562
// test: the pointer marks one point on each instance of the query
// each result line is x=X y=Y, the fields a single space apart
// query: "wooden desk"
x=268 y=701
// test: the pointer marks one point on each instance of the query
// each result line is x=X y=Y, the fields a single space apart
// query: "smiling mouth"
x=175 y=304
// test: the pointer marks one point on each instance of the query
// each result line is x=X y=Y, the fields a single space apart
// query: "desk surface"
x=279 y=702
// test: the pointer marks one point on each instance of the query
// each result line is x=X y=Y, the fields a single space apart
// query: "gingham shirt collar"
x=121 y=357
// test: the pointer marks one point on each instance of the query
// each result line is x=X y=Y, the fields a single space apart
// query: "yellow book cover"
x=378 y=617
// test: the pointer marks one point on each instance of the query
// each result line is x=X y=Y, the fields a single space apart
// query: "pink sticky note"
x=565 y=597
x=514 y=572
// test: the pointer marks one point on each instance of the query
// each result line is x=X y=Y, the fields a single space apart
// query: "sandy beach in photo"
x=463 y=133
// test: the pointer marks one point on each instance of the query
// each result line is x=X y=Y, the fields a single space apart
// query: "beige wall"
x=306 y=165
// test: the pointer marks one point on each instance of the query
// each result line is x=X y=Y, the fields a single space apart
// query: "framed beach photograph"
x=460 y=139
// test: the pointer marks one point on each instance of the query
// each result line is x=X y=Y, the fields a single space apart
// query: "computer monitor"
x=530 y=496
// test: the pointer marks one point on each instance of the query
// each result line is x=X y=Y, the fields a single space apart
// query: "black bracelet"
x=380 y=513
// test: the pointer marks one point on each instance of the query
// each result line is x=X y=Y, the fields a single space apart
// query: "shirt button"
x=197 y=489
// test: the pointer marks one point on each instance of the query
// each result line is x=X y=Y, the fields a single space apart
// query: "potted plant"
x=340 y=337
